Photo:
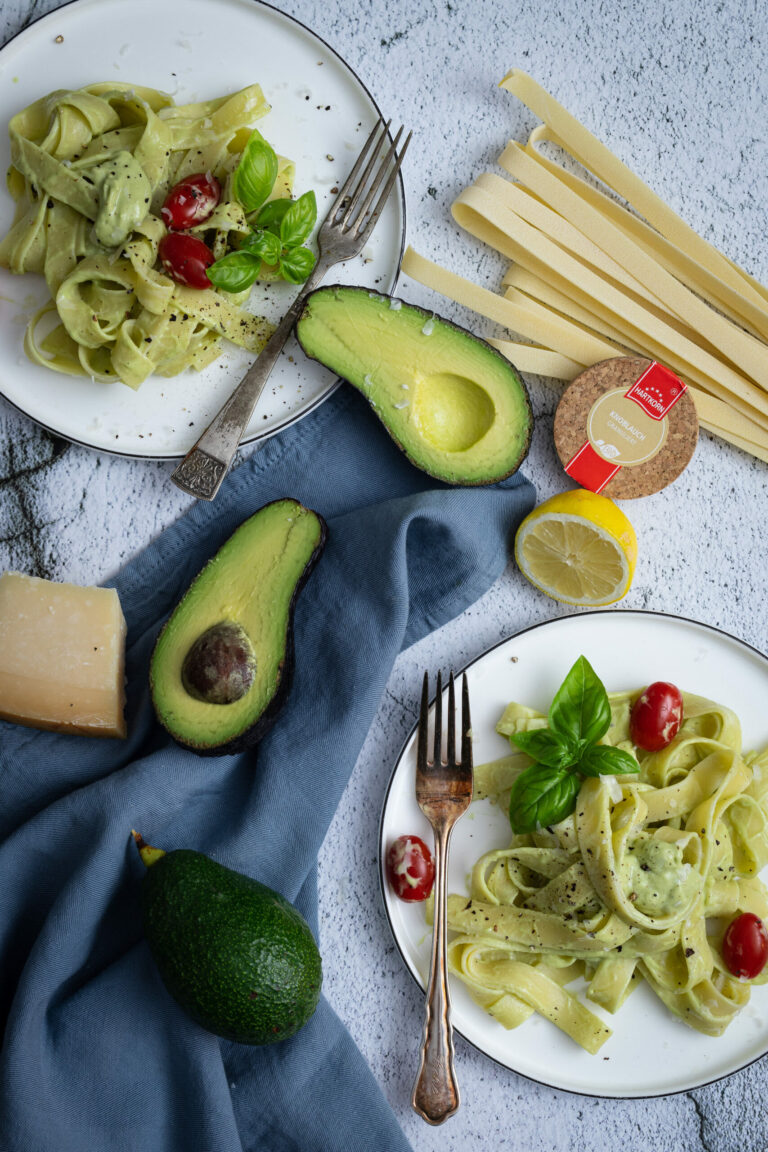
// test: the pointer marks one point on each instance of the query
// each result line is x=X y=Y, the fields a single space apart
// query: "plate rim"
x=383 y=881
x=258 y=438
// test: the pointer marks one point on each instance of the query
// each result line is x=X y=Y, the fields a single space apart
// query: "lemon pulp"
x=578 y=548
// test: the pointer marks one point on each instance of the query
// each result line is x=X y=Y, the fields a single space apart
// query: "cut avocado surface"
x=221 y=667
x=237 y=957
x=456 y=406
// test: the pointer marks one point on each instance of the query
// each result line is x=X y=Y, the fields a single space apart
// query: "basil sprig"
x=579 y=716
x=298 y=220
x=271 y=215
x=542 y=795
x=274 y=249
x=256 y=173
x=263 y=245
x=296 y=264
x=234 y=272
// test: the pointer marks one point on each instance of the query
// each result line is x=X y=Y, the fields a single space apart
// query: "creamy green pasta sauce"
x=124 y=196
x=656 y=875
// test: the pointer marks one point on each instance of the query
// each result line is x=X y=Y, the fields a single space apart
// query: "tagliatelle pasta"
x=550 y=331
x=596 y=157
x=90 y=169
x=591 y=280
x=639 y=883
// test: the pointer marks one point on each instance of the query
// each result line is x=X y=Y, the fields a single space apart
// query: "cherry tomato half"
x=656 y=716
x=745 y=946
x=410 y=868
x=191 y=201
x=185 y=259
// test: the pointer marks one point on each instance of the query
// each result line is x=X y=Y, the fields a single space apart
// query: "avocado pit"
x=453 y=412
x=220 y=666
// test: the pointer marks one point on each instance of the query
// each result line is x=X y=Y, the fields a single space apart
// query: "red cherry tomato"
x=410 y=868
x=745 y=946
x=191 y=201
x=656 y=716
x=185 y=259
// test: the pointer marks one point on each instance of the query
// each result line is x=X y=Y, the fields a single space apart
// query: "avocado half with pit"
x=456 y=406
x=222 y=665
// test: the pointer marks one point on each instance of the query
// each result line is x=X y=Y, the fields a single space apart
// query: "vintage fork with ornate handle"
x=342 y=235
x=443 y=792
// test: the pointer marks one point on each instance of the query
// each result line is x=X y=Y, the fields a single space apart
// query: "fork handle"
x=436 y=1091
x=206 y=464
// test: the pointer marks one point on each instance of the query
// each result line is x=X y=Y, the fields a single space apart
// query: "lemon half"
x=579 y=548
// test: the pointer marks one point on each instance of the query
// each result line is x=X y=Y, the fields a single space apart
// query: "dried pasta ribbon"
x=591 y=280
x=595 y=156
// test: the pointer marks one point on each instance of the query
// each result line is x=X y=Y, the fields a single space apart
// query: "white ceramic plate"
x=651 y=1053
x=194 y=49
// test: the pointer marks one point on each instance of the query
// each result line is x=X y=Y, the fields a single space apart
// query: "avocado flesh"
x=237 y=957
x=455 y=405
x=252 y=582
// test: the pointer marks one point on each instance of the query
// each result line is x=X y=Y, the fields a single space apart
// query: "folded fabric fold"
x=95 y=1053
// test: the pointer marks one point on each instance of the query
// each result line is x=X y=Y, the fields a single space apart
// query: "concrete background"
x=679 y=92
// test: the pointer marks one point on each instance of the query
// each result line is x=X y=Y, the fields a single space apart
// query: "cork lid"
x=639 y=443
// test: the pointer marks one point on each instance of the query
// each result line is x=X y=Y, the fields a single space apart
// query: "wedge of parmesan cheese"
x=62 y=656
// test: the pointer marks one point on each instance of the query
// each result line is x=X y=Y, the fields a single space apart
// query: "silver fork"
x=342 y=235
x=443 y=792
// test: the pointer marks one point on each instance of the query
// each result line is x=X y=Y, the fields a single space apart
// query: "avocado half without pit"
x=222 y=665
x=454 y=405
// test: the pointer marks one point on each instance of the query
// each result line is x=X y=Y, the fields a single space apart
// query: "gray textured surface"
x=679 y=92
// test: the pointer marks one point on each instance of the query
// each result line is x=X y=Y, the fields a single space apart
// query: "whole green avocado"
x=236 y=956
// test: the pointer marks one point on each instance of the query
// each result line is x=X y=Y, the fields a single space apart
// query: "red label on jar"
x=617 y=435
x=591 y=470
x=656 y=391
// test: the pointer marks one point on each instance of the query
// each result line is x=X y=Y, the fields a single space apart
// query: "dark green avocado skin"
x=236 y=956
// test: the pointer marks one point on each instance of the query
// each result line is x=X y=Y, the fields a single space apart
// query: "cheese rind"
x=62 y=656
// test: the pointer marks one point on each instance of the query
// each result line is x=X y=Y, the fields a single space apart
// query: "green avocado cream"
x=124 y=196
x=656 y=878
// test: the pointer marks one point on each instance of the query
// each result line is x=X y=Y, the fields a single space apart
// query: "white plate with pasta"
x=640 y=1048
x=193 y=51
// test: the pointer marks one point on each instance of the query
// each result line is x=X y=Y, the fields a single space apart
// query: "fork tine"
x=437 y=754
x=375 y=184
x=350 y=180
x=422 y=752
x=466 y=727
x=358 y=192
x=368 y=228
x=451 y=722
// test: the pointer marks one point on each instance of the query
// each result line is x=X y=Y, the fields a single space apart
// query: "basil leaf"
x=234 y=272
x=545 y=746
x=265 y=245
x=603 y=760
x=542 y=796
x=256 y=173
x=299 y=220
x=580 y=709
x=271 y=215
x=297 y=264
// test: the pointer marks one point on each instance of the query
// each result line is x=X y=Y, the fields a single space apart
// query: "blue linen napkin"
x=96 y=1055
